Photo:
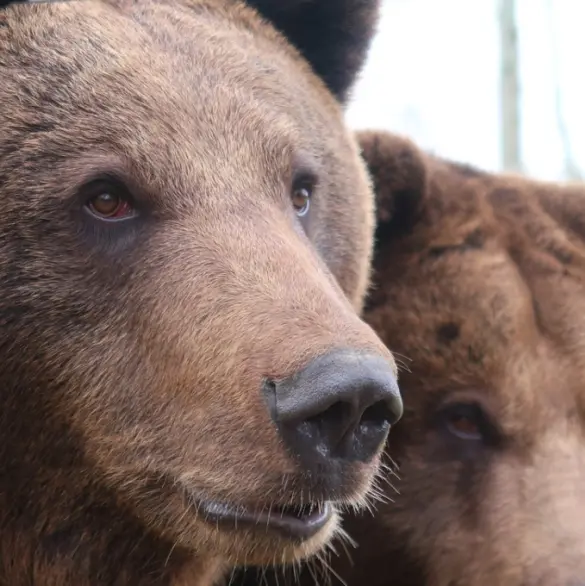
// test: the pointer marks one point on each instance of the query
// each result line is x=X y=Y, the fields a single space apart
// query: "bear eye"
x=107 y=200
x=465 y=421
x=301 y=196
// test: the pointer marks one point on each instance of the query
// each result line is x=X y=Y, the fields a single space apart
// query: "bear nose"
x=341 y=405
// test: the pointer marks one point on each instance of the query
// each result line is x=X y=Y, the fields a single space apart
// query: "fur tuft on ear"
x=333 y=35
x=399 y=177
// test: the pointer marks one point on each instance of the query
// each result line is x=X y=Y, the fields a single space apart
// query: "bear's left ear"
x=400 y=179
x=333 y=35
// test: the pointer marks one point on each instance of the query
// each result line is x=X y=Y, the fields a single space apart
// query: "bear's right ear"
x=399 y=179
x=332 y=35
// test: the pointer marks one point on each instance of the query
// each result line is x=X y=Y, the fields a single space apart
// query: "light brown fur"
x=479 y=288
x=131 y=358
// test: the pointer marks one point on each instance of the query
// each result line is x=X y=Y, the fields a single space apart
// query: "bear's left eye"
x=465 y=421
x=464 y=425
x=301 y=196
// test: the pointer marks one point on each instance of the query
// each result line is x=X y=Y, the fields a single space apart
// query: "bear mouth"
x=291 y=522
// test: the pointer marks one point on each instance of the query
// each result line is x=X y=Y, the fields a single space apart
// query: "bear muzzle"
x=332 y=415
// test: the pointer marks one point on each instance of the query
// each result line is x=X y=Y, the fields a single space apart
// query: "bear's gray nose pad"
x=340 y=406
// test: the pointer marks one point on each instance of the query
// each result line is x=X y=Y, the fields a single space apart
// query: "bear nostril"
x=334 y=415
x=378 y=414
x=341 y=430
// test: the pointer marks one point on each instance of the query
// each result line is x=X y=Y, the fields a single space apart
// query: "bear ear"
x=399 y=178
x=333 y=35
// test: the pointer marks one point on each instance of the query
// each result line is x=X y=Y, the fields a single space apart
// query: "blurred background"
x=495 y=83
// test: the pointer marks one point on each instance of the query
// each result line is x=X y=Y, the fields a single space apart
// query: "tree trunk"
x=572 y=171
x=509 y=87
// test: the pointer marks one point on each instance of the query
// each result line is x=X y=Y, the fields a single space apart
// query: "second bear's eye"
x=465 y=421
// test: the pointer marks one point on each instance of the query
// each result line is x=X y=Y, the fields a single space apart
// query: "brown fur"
x=479 y=290
x=479 y=287
x=132 y=356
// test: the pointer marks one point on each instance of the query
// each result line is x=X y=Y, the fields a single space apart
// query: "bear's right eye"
x=108 y=200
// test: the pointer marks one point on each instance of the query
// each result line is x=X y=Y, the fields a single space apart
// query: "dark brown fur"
x=132 y=356
x=479 y=287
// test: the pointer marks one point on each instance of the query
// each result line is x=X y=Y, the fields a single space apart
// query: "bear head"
x=184 y=247
x=479 y=289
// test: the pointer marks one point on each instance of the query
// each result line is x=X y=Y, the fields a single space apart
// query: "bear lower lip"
x=291 y=522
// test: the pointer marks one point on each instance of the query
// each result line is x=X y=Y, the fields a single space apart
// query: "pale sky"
x=433 y=69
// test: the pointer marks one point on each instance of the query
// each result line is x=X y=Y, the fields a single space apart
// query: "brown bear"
x=479 y=290
x=185 y=237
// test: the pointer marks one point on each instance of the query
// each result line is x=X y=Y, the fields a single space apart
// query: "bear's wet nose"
x=339 y=406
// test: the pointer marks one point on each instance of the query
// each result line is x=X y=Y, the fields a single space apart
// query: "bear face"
x=478 y=287
x=184 y=244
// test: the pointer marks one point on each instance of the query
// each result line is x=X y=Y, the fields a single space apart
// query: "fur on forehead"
x=399 y=175
x=332 y=35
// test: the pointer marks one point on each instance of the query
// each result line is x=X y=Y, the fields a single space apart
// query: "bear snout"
x=338 y=408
